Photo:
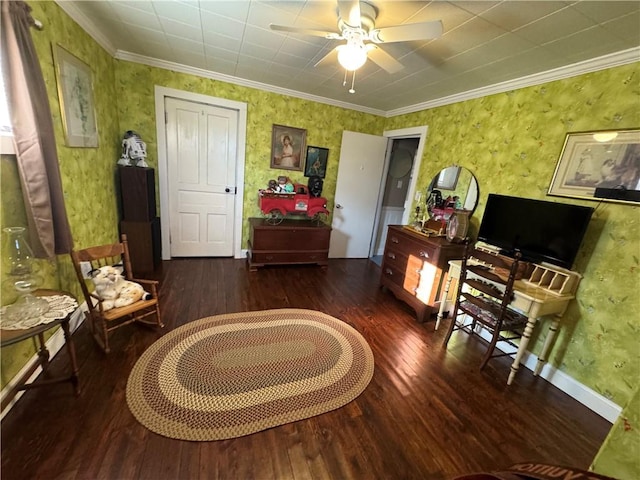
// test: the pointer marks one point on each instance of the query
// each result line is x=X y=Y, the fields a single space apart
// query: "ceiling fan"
x=356 y=22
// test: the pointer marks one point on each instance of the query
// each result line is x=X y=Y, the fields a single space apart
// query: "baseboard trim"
x=591 y=399
x=54 y=344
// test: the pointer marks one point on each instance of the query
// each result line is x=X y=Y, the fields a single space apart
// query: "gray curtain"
x=33 y=136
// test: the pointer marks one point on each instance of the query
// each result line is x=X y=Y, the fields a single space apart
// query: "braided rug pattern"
x=232 y=375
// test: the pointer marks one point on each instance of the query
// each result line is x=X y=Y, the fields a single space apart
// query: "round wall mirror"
x=453 y=190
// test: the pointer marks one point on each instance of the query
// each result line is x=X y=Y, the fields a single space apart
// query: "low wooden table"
x=9 y=337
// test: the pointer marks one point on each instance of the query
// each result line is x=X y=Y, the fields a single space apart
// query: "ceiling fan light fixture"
x=352 y=55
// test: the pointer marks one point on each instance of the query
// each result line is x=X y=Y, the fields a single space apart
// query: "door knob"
x=227 y=190
x=338 y=205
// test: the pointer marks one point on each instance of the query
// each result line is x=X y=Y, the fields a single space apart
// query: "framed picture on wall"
x=75 y=93
x=599 y=165
x=316 y=162
x=288 y=146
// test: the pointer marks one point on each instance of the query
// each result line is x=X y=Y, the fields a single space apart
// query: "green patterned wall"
x=324 y=123
x=511 y=142
x=619 y=455
x=87 y=173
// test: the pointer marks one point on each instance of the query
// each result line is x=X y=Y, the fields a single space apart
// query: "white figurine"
x=133 y=148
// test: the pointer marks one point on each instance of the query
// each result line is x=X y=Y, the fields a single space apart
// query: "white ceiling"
x=487 y=46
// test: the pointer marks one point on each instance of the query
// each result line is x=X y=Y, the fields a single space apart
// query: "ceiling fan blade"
x=383 y=59
x=306 y=31
x=331 y=57
x=349 y=12
x=407 y=33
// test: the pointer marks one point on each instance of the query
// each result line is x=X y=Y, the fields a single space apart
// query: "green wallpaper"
x=511 y=142
x=619 y=456
x=87 y=173
x=324 y=123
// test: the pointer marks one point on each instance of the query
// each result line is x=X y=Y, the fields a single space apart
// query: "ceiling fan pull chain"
x=353 y=82
x=344 y=82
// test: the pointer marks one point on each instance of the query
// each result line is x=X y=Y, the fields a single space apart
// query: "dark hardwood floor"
x=428 y=413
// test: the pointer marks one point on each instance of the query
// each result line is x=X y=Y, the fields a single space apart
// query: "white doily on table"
x=59 y=307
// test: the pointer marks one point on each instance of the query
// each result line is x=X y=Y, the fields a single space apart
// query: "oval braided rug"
x=231 y=375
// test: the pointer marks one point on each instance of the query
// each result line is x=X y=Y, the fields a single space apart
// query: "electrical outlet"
x=85 y=268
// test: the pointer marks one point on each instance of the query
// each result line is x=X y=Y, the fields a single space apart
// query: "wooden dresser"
x=414 y=268
x=288 y=243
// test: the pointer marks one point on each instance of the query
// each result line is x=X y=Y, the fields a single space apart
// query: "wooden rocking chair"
x=102 y=322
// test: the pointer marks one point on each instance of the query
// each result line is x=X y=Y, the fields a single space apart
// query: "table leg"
x=43 y=354
x=524 y=341
x=72 y=356
x=544 y=354
x=443 y=301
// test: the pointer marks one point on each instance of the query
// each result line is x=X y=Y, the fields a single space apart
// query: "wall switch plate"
x=418 y=196
x=85 y=268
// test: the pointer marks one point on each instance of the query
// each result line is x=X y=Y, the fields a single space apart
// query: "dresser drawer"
x=414 y=265
x=403 y=243
x=291 y=239
x=288 y=257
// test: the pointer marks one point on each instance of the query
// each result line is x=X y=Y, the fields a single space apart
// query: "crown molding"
x=87 y=25
x=616 y=59
x=200 y=72
x=623 y=57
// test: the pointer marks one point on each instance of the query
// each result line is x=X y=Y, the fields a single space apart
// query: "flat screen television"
x=542 y=231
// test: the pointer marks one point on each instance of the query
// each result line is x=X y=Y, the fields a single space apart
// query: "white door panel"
x=360 y=170
x=201 y=157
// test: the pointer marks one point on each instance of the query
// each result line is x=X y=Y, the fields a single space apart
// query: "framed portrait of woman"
x=288 y=147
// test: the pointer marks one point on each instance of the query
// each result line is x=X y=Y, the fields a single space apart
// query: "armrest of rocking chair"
x=151 y=284
x=98 y=302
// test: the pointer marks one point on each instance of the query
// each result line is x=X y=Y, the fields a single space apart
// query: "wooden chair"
x=102 y=322
x=485 y=289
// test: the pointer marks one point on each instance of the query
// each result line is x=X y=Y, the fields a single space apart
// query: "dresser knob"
x=269 y=257
x=388 y=271
x=424 y=254
x=391 y=255
x=394 y=240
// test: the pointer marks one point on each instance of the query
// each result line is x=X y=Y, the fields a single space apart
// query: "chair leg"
x=105 y=335
x=452 y=324
x=490 y=349
x=160 y=324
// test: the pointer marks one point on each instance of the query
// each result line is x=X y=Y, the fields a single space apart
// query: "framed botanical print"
x=75 y=93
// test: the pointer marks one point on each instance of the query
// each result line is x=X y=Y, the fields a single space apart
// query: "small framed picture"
x=316 y=162
x=288 y=145
x=605 y=161
x=75 y=92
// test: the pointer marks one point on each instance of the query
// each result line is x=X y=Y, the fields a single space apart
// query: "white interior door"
x=201 y=166
x=362 y=159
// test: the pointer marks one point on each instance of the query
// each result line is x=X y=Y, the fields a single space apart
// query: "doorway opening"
x=398 y=186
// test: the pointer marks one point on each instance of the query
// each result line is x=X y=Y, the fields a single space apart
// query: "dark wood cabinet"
x=138 y=217
x=414 y=268
x=288 y=243
x=144 y=244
